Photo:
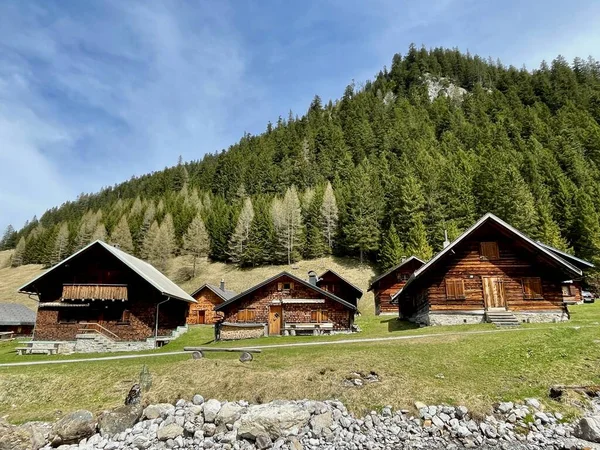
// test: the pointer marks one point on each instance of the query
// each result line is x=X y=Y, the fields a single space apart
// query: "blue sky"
x=94 y=92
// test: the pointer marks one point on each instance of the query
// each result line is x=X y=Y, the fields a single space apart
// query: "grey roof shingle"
x=16 y=314
x=224 y=294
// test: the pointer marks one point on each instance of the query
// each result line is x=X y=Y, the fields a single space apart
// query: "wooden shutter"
x=532 y=288
x=455 y=289
x=279 y=286
x=324 y=315
x=489 y=250
x=567 y=291
x=250 y=315
x=314 y=316
x=126 y=316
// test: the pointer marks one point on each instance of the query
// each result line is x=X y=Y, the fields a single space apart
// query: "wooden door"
x=493 y=292
x=201 y=317
x=275 y=319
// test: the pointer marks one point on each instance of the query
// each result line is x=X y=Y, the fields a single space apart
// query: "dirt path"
x=298 y=344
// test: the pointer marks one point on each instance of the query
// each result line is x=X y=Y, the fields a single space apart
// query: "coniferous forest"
x=431 y=144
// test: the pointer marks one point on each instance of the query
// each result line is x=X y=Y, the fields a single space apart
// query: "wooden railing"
x=94 y=327
x=95 y=291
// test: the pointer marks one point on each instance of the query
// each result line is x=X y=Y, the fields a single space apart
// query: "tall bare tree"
x=121 y=235
x=329 y=214
x=241 y=235
x=196 y=241
x=287 y=219
x=61 y=244
x=19 y=254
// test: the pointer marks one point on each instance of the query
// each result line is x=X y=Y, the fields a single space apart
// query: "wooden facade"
x=389 y=283
x=331 y=281
x=208 y=297
x=94 y=286
x=491 y=267
x=284 y=303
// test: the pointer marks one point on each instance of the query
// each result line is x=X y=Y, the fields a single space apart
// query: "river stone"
x=277 y=419
x=170 y=431
x=197 y=399
x=229 y=413
x=73 y=427
x=119 y=419
x=158 y=410
x=211 y=408
x=588 y=428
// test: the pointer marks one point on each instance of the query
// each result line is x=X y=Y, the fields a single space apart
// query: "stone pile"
x=308 y=425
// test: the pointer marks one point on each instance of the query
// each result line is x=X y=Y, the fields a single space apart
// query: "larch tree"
x=329 y=215
x=165 y=245
x=238 y=243
x=61 y=244
x=287 y=220
x=196 y=241
x=416 y=243
x=392 y=251
x=150 y=242
x=99 y=233
x=121 y=236
x=19 y=253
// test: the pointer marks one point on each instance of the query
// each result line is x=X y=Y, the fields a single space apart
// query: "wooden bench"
x=313 y=328
x=245 y=353
x=34 y=348
x=7 y=335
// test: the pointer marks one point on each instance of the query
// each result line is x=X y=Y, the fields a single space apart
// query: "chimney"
x=312 y=277
x=446 y=241
x=222 y=286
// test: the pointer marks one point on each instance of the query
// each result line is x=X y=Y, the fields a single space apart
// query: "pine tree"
x=391 y=252
x=287 y=220
x=121 y=236
x=9 y=238
x=587 y=228
x=61 y=244
x=329 y=214
x=196 y=241
x=238 y=243
x=19 y=254
x=261 y=243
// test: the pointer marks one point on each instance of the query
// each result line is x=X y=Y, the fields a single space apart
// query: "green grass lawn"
x=475 y=370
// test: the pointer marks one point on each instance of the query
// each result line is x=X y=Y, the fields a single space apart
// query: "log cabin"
x=494 y=273
x=284 y=304
x=390 y=282
x=101 y=294
x=207 y=297
x=16 y=319
x=333 y=282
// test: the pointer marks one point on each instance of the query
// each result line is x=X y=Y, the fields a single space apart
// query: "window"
x=532 y=288
x=489 y=250
x=74 y=315
x=455 y=289
x=319 y=316
x=126 y=316
x=246 y=315
x=568 y=290
x=403 y=276
x=285 y=286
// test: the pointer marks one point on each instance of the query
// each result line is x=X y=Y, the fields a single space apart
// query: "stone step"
x=502 y=318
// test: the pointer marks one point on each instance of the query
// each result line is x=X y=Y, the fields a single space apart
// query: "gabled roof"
x=578 y=262
x=146 y=271
x=489 y=217
x=359 y=291
x=223 y=294
x=293 y=277
x=14 y=314
x=393 y=269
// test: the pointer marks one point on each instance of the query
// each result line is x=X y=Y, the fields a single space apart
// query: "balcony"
x=95 y=292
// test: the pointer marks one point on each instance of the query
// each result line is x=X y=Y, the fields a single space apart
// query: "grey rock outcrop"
x=73 y=427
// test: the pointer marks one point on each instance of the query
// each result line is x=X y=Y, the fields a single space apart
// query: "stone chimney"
x=222 y=286
x=312 y=277
x=446 y=241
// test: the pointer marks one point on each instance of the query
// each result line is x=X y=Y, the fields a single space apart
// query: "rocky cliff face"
x=437 y=86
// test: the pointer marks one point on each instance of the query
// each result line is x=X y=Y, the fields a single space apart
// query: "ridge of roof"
x=471 y=229
x=145 y=270
x=386 y=273
x=566 y=255
x=224 y=294
x=344 y=280
x=279 y=275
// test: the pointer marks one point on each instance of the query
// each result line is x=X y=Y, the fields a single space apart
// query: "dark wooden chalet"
x=334 y=283
x=105 y=290
x=492 y=272
x=207 y=297
x=389 y=283
x=16 y=319
x=284 y=304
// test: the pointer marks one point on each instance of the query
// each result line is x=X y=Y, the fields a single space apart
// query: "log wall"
x=389 y=285
x=207 y=300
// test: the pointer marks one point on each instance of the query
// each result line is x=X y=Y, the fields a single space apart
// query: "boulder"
x=197 y=399
x=73 y=427
x=170 y=431
x=24 y=437
x=211 y=408
x=263 y=441
x=119 y=419
x=158 y=410
x=321 y=421
x=229 y=413
x=588 y=428
x=276 y=419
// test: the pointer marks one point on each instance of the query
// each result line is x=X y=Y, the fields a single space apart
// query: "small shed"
x=208 y=297
x=16 y=318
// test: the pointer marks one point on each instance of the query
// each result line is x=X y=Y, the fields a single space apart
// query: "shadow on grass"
x=395 y=324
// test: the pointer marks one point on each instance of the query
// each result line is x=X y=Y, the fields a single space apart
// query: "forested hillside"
x=379 y=174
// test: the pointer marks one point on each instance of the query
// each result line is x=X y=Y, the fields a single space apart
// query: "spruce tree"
x=9 y=238
x=121 y=236
x=586 y=227
x=261 y=243
x=196 y=241
x=392 y=251
x=416 y=242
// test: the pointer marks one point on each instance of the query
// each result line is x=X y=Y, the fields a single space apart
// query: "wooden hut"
x=284 y=304
x=207 y=297
x=390 y=282
x=492 y=272
x=16 y=319
x=101 y=290
x=334 y=283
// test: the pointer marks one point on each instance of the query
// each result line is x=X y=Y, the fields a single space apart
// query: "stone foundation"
x=229 y=332
x=541 y=316
x=458 y=318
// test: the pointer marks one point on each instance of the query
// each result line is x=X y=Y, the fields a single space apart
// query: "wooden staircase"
x=501 y=318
